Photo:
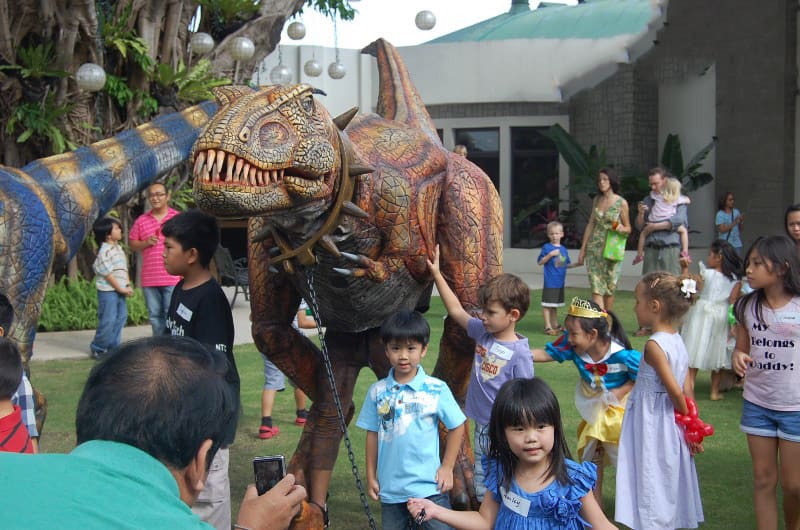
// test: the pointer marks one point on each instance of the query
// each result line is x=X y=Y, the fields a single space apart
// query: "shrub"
x=72 y=304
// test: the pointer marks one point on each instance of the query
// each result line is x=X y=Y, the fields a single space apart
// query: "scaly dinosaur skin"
x=353 y=206
x=48 y=206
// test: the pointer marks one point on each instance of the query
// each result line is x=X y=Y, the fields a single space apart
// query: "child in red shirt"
x=14 y=437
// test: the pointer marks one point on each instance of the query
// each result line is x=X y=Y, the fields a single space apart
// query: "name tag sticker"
x=501 y=351
x=184 y=312
x=614 y=368
x=789 y=317
x=515 y=503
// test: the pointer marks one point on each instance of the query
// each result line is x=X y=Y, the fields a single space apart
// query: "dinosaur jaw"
x=228 y=185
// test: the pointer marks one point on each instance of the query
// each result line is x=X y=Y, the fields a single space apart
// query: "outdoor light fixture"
x=296 y=30
x=242 y=49
x=280 y=75
x=90 y=77
x=425 y=20
x=336 y=69
x=312 y=68
x=202 y=43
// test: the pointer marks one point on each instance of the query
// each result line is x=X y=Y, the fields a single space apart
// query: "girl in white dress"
x=705 y=328
x=657 y=484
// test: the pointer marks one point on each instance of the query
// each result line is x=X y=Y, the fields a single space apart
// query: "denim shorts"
x=759 y=421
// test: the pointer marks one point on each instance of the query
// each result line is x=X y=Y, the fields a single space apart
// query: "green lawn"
x=724 y=469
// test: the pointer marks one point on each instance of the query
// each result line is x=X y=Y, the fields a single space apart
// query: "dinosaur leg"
x=456 y=351
x=470 y=234
x=318 y=448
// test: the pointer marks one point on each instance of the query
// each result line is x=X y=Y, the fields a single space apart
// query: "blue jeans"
x=112 y=313
x=157 y=300
x=480 y=445
x=397 y=516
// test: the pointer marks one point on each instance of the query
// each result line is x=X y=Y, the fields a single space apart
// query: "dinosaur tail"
x=88 y=182
x=398 y=98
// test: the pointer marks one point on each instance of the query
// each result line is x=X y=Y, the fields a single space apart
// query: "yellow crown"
x=583 y=308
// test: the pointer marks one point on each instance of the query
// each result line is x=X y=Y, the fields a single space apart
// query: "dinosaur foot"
x=365 y=267
x=311 y=517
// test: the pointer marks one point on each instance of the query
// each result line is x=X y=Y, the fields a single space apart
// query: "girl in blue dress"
x=596 y=343
x=533 y=482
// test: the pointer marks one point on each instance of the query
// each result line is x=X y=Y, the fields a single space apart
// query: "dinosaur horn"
x=356 y=170
x=352 y=209
x=344 y=118
x=328 y=244
x=319 y=91
x=262 y=235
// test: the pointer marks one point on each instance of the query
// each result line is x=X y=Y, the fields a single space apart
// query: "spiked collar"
x=342 y=204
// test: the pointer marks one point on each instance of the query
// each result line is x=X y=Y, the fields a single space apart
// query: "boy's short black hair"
x=10 y=368
x=194 y=229
x=406 y=325
x=6 y=313
x=102 y=227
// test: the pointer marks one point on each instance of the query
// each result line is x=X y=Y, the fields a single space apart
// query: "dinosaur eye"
x=308 y=104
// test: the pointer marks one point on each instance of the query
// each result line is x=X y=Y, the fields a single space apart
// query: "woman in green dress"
x=609 y=212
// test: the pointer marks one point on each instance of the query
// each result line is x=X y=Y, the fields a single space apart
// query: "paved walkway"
x=75 y=344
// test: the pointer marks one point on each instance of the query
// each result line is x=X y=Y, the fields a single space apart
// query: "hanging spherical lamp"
x=336 y=70
x=312 y=68
x=202 y=43
x=242 y=49
x=425 y=20
x=90 y=77
x=280 y=75
x=296 y=30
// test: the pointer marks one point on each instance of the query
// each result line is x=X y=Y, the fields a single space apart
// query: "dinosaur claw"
x=343 y=272
x=351 y=257
x=273 y=269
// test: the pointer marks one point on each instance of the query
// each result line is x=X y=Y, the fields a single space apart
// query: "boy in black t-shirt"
x=200 y=310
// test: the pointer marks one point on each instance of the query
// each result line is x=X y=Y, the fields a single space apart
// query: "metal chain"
x=339 y=412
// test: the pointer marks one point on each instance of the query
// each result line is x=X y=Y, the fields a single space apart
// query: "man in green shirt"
x=150 y=420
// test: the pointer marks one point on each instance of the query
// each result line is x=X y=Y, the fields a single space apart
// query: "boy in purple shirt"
x=500 y=352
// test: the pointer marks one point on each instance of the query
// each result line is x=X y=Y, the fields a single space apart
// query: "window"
x=483 y=147
x=534 y=186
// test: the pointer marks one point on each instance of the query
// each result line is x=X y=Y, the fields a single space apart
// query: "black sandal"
x=325 y=521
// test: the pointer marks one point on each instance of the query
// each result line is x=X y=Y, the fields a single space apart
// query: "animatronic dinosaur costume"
x=48 y=206
x=350 y=207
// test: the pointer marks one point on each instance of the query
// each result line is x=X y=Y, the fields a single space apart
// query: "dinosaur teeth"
x=231 y=163
x=198 y=163
x=238 y=170
x=217 y=167
x=212 y=157
x=245 y=171
x=253 y=171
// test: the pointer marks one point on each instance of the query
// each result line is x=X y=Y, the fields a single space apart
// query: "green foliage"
x=72 y=304
x=36 y=62
x=690 y=176
x=180 y=193
x=192 y=84
x=225 y=12
x=584 y=165
x=117 y=87
x=117 y=36
x=333 y=8
x=41 y=122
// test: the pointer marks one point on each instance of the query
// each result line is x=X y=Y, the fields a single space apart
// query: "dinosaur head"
x=265 y=151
